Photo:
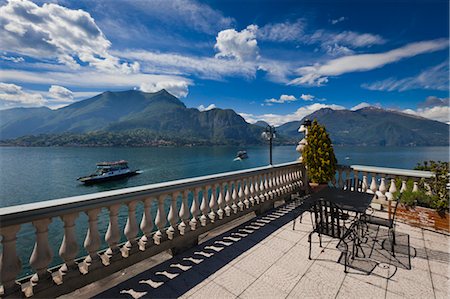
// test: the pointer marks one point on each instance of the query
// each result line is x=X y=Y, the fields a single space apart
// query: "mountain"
x=373 y=126
x=160 y=114
x=261 y=123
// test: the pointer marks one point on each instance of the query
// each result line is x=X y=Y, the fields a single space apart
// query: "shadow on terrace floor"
x=176 y=276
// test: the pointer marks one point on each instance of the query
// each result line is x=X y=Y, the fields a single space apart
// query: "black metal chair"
x=327 y=220
x=388 y=223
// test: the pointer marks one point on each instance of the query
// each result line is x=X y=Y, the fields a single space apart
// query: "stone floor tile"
x=439 y=267
x=212 y=290
x=235 y=280
x=261 y=289
x=265 y=253
x=291 y=235
x=280 y=244
x=414 y=283
x=316 y=286
x=442 y=294
x=356 y=288
x=440 y=283
x=282 y=278
x=253 y=266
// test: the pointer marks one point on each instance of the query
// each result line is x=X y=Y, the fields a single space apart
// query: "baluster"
x=204 y=206
x=285 y=182
x=261 y=188
x=392 y=190
x=251 y=190
x=130 y=231
x=213 y=202
x=365 y=183
x=333 y=179
x=10 y=264
x=92 y=242
x=41 y=256
x=173 y=216
x=266 y=187
x=415 y=186
x=160 y=220
x=195 y=210
x=246 y=193
x=255 y=195
x=146 y=223
x=184 y=213
x=228 y=199
x=69 y=247
x=382 y=188
x=272 y=185
x=234 y=197
x=356 y=180
x=403 y=188
x=112 y=236
x=221 y=200
x=340 y=180
x=373 y=184
x=241 y=195
x=347 y=177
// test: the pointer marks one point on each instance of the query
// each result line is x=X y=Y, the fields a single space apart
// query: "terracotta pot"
x=316 y=187
x=424 y=217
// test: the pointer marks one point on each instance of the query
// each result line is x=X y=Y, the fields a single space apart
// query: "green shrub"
x=319 y=154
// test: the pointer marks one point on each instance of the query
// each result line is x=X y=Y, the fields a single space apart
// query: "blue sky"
x=268 y=60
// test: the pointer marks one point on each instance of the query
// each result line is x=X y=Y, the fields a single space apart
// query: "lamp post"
x=269 y=134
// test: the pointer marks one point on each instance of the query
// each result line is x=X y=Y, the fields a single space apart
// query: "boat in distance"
x=108 y=171
x=241 y=155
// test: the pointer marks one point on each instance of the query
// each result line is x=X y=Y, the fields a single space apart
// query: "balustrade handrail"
x=391 y=171
x=26 y=213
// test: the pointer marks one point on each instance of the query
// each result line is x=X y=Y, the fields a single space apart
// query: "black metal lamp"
x=269 y=134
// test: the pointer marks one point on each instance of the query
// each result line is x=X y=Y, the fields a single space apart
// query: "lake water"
x=32 y=174
x=36 y=174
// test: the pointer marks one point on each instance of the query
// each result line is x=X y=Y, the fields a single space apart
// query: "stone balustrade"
x=173 y=215
x=379 y=181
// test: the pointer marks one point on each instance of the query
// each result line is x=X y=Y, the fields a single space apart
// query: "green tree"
x=319 y=154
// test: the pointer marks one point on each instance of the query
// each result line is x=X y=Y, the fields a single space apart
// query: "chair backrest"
x=327 y=219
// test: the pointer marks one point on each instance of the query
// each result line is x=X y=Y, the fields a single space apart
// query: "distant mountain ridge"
x=137 y=118
x=372 y=126
x=160 y=114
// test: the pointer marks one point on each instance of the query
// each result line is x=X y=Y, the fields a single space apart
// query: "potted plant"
x=318 y=156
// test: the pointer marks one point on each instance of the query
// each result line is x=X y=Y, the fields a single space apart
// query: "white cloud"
x=439 y=113
x=307 y=97
x=56 y=32
x=435 y=78
x=61 y=94
x=95 y=79
x=12 y=58
x=241 y=45
x=318 y=74
x=279 y=119
x=287 y=31
x=177 y=88
x=360 y=106
x=185 y=13
x=347 y=38
x=209 y=107
x=337 y=50
x=284 y=98
x=12 y=95
x=433 y=101
x=176 y=64
x=338 y=20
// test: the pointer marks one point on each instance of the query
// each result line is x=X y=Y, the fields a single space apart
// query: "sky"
x=276 y=61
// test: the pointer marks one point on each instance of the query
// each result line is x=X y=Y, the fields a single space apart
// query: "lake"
x=32 y=174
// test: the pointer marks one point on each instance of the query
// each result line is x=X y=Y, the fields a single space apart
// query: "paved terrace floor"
x=265 y=258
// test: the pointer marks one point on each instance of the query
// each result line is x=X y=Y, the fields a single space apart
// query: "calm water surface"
x=36 y=174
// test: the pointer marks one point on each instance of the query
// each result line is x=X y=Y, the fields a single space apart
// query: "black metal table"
x=352 y=201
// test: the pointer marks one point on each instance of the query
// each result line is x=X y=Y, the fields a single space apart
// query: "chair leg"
x=309 y=241
x=320 y=240
x=392 y=237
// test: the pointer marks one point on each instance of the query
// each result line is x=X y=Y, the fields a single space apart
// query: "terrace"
x=218 y=235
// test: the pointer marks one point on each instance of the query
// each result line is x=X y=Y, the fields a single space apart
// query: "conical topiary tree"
x=319 y=155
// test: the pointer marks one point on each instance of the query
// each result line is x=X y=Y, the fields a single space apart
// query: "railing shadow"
x=183 y=272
